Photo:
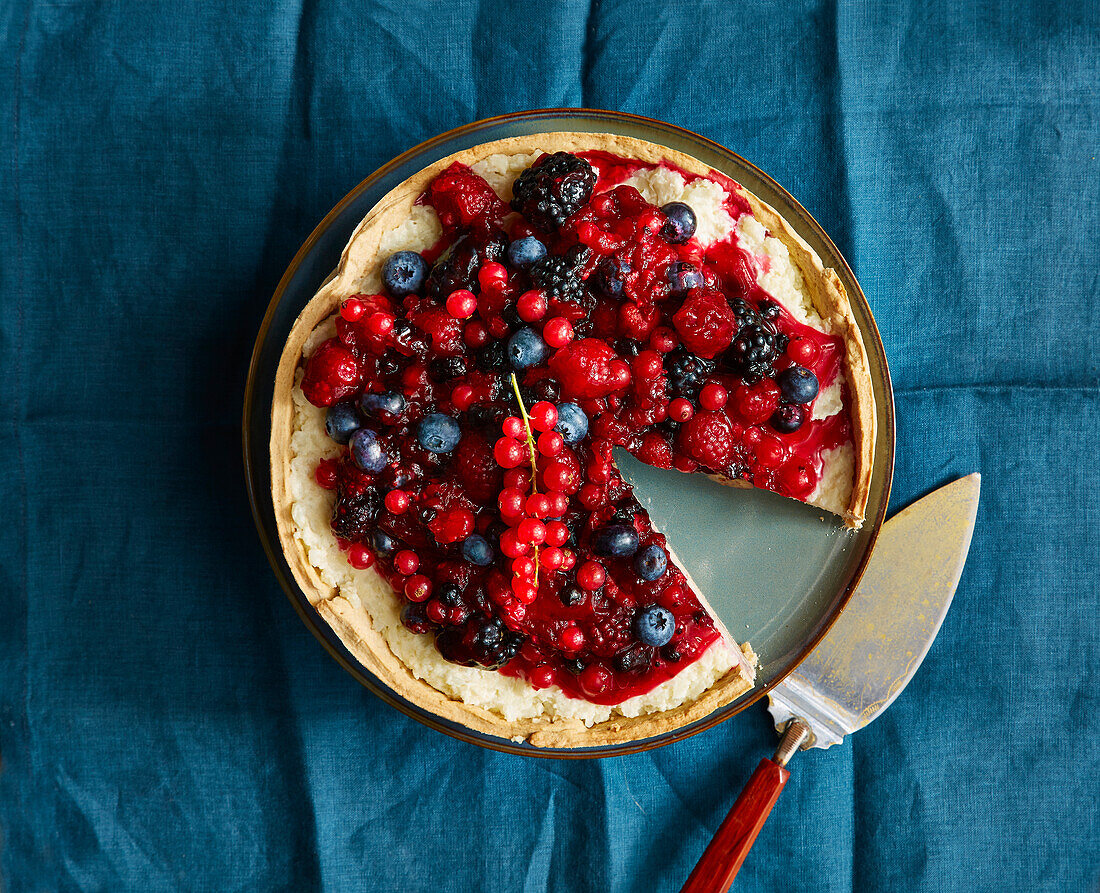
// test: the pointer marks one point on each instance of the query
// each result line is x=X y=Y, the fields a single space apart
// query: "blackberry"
x=623 y=515
x=574 y=665
x=456 y=269
x=571 y=596
x=553 y=189
x=686 y=371
x=388 y=366
x=488 y=418
x=546 y=389
x=352 y=519
x=757 y=345
x=634 y=660
x=511 y=317
x=449 y=594
x=484 y=642
x=447 y=368
x=671 y=653
x=628 y=347
x=559 y=276
x=493 y=356
x=609 y=276
x=414 y=617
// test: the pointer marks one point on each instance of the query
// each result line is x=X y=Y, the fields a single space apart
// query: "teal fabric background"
x=166 y=723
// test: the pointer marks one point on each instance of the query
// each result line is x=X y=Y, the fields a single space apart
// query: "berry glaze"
x=516 y=548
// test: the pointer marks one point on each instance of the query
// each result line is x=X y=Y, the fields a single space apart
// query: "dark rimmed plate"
x=782 y=569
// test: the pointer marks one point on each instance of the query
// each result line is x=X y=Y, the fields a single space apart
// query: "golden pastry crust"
x=354 y=625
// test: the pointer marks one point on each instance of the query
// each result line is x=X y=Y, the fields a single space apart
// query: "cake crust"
x=353 y=624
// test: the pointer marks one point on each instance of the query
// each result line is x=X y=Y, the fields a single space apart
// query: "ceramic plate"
x=783 y=570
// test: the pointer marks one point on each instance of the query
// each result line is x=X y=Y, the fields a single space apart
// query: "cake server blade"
x=878 y=642
x=862 y=664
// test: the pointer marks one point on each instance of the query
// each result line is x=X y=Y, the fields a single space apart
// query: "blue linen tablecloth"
x=167 y=723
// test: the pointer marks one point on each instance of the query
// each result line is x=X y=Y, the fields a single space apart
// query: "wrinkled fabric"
x=166 y=722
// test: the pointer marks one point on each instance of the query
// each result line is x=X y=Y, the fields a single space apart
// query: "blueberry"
x=526 y=348
x=571 y=596
x=524 y=252
x=415 y=617
x=654 y=625
x=404 y=273
x=383 y=543
x=342 y=421
x=798 y=384
x=572 y=422
x=367 y=452
x=387 y=406
x=682 y=277
x=476 y=550
x=608 y=277
x=651 y=562
x=681 y=223
x=615 y=541
x=788 y=418
x=438 y=433
x=449 y=594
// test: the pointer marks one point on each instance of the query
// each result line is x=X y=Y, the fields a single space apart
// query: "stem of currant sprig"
x=534 y=457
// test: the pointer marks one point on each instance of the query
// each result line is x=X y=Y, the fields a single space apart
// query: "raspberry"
x=655 y=451
x=552 y=189
x=478 y=471
x=331 y=375
x=705 y=324
x=707 y=437
x=464 y=201
x=584 y=368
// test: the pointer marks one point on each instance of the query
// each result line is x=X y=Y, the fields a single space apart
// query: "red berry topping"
x=680 y=409
x=713 y=396
x=452 y=526
x=538 y=505
x=543 y=415
x=514 y=427
x=325 y=474
x=380 y=324
x=512 y=502
x=406 y=562
x=708 y=439
x=531 y=306
x=551 y=558
x=584 y=368
x=509 y=452
x=572 y=639
x=462 y=397
x=550 y=443
x=492 y=275
x=558 y=332
x=756 y=403
x=525 y=590
x=461 y=304
x=591 y=575
x=477 y=468
x=331 y=374
x=803 y=351
x=463 y=200
x=512 y=546
x=706 y=324
x=418 y=588
x=556 y=533
x=360 y=556
x=532 y=531
x=352 y=309
x=595 y=680
x=397 y=502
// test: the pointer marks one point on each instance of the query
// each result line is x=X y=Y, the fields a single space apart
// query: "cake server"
x=863 y=662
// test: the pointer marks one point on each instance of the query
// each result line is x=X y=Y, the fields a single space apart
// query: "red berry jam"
x=480 y=406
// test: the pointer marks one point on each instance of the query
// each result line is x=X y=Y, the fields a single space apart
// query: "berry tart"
x=447 y=406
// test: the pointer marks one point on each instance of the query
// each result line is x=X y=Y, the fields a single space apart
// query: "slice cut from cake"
x=447 y=405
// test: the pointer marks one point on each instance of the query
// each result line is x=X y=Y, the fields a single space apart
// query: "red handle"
x=720 y=863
